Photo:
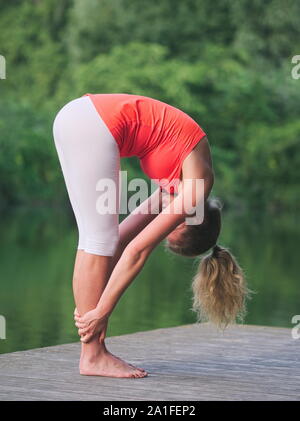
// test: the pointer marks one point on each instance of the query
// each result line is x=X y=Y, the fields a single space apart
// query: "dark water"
x=37 y=255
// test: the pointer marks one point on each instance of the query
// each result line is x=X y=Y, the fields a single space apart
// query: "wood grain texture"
x=192 y=362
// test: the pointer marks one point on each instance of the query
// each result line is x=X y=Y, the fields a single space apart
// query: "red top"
x=160 y=135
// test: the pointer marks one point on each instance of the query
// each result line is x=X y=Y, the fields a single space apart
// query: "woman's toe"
x=138 y=373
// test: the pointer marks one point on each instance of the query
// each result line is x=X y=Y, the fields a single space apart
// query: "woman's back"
x=159 y=134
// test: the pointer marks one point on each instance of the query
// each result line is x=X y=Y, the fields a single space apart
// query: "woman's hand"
x=89 y=324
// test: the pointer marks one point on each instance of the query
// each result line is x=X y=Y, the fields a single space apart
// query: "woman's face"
x=175 y=235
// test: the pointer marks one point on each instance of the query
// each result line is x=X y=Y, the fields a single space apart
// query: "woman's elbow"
x=135 y=254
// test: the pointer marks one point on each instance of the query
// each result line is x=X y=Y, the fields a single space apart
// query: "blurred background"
x=226 y=63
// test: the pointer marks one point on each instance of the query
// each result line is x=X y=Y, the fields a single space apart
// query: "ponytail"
x=219 y=289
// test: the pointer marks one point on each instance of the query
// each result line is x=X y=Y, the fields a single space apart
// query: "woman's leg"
x=88 y=270
x=88 y=154
x=92 y=349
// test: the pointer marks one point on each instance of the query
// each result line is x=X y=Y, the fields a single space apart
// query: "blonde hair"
x=219 y=289
x=219 y=285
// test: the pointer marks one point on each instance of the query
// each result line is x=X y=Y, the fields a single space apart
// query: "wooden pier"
x=192 y=362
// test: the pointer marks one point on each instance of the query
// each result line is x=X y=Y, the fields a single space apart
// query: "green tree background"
x=227 y=63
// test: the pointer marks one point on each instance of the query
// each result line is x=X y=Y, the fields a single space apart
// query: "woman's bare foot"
x=108 y=365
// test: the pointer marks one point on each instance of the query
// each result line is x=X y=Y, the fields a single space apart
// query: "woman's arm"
x=126 y=269
x=138 y=250
x=133 y=224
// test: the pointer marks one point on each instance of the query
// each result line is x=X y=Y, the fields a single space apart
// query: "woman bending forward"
x=91 y=134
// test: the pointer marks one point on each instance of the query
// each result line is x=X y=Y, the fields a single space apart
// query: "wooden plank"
x=191 y=362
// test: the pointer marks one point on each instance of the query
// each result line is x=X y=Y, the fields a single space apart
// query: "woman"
x=91 y=134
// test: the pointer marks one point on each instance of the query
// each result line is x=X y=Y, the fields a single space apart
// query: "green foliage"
x=29 y=170
x=227 y=64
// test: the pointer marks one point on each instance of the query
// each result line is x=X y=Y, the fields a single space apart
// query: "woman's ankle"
x=93 y=349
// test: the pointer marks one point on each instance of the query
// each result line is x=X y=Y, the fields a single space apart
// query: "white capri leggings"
x=88 y=155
